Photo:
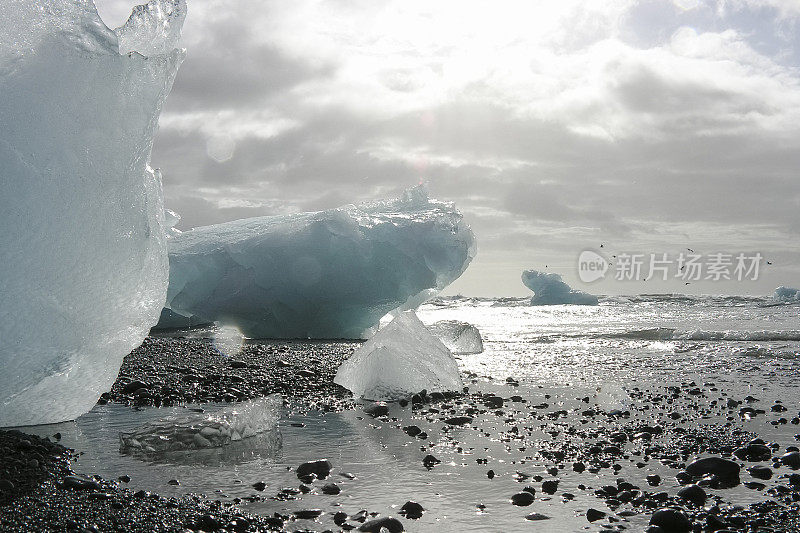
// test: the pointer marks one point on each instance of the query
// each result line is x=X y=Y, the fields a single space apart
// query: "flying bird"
x=690 y=250
x=769 y=262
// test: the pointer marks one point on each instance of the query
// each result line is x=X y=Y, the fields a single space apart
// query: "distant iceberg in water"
x=402 y=359
x=326 y=274
x=550 y=289
x=85 y=256
x=786 y=294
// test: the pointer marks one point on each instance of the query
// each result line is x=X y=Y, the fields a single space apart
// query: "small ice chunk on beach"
x=550 y=289
x=327 y=274
x=459 y=337
x=402 y=359
x=230 y=424
x=786 y=294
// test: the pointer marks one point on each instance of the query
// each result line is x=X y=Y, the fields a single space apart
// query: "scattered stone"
x=523 y=499
x=412 y=510
x=393 y=525
x=671 y=520
x=319 y=469
x=593 y=515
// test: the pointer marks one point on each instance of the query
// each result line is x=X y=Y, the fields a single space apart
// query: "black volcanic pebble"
x=593 y=515
x=374 y=526
x=429 y=461
x=319 y=469
x=550 y=486
x=535 y=517
x=693 y=494
x=653 y=480
x=331 y=489
x=722 y=468
x=308 y=514
x=760 y=472
x=671 y=520
x=753 y=452
x=259 y=486
x=80 y=483
x=523 y=498
x=458 y=420
x=376 y=409
x=412 y=431
x=791 y=459
x=412 y=510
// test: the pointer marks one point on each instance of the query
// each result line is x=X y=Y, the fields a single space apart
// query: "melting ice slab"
x=402 y=359
x=550 y=289
x=231 y=424
x=329 y=274
x=459 y=337
x=83 y=244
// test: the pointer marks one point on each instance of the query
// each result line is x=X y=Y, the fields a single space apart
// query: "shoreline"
x=578 y=443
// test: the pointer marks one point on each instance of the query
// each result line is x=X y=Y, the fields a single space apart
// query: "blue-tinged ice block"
x=327 y=274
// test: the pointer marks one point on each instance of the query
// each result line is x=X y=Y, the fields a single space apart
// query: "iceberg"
x=550 y=289
x=230 y=424
x=85 y=266
x=786 y=294
x=326 y=274
x=459 y=337
x=402 y=359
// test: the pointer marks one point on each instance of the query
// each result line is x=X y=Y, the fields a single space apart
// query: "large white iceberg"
x=230 y=424
x=786 y=294
x=459 y=337
x=550 y=289
x=83 y=243
x=402 y=359
x=327 y=274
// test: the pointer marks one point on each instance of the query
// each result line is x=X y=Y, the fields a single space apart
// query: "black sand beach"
x=662 y=434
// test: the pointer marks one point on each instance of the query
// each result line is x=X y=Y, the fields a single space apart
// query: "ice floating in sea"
x=85 y=257
x=550 y=289
x=403 y=358
x=786 y=294
x=231 y=424
x=329 y=274
x=459 y=337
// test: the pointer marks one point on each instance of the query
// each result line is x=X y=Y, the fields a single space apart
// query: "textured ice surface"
x=83 y=244
x=459 y=337
x=550 y=289
x=231 y=424
x=403 y=358
x=328 y=274
x=786 y=294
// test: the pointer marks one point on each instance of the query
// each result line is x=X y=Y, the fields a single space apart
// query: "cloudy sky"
x=644 y=126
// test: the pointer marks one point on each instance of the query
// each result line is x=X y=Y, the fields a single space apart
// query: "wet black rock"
x=429 y=461
x=376 y=409
x=753 y=453
x=593 y=515
x=693 y=494
x=723 y=469
x=412 y=431
x=760 y=472
x=80 y=483
x=791 y=459
x=331 y=489
x=671 y=520
x=412 y=510
x=319 y=469
x=550 y=486
x=308 y=514
x=536 y=517
x=459 y=420
x=393 y=525
x=259 y=486
x=653 y=480
x=523 y=498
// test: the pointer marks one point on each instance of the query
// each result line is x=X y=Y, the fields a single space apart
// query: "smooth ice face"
x=786 y=294
x=329 y=274
x=402 y=359
x=85 y=267
x=459 y=337
x=550 y=289
x=231 y=424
